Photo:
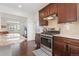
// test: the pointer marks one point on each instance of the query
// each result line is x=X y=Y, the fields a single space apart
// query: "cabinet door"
x=73 y=50
x=59 y=48
x=46 y=11
x=53 y=8
x=41 y=21
x=41 y=18
x=71 y=12
x=62 y=12
x=67 y=12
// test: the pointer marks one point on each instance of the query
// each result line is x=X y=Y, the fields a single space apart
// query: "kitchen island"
x=8 y=43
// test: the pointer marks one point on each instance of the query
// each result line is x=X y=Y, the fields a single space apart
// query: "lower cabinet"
x=73 y=50
x=59 y=48
x=65 y=47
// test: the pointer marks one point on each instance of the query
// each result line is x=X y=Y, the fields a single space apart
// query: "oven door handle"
x=46 y=38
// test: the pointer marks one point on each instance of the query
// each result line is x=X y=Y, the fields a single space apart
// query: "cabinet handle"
x=65 y=50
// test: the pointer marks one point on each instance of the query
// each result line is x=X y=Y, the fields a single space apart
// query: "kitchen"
x=53 y=28
x=62 y=17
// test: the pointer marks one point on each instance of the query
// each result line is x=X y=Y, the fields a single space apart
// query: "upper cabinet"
x=61 y=13
x=67 y=12
x=41 y=16
x=47 y=11
x=53 y=9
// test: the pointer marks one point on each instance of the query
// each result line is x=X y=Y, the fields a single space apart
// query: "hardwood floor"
x=26 y=48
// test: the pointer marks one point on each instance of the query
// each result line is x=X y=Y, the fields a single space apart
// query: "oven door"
x=46 y=42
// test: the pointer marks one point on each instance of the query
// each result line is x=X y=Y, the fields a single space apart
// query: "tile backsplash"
x=70 y=28
x=53 y=24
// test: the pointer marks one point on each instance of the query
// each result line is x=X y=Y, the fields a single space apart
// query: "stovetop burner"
x=51 y=32
x=48 y=33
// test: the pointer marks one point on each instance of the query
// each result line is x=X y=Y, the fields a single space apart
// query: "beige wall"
x=53 y=24
x=65 y=28
x=70 y=28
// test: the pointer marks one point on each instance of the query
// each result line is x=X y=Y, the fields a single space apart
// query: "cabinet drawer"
x=59 y=48
x=73 y=42
x=59 y=39
x=73 y=50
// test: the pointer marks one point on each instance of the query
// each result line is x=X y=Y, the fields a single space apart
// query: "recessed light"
x=19 y=6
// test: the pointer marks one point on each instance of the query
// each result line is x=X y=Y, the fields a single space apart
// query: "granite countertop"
x=68 y=36
x=11 y=38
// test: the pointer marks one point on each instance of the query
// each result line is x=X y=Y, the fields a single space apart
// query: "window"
x=13 y=26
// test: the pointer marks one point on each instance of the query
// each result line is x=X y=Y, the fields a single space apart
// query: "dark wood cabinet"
x=59 y=48
x=67 y=12
x=61 y=13
x=71 y=12
x=65 y=46
x=41 y=21
x=53 y=8
x=47 y=11
x=73 y=50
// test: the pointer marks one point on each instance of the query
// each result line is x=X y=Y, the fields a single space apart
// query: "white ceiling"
x=26 y=7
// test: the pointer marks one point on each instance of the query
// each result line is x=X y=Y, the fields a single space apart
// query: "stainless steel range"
x=47 y=41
